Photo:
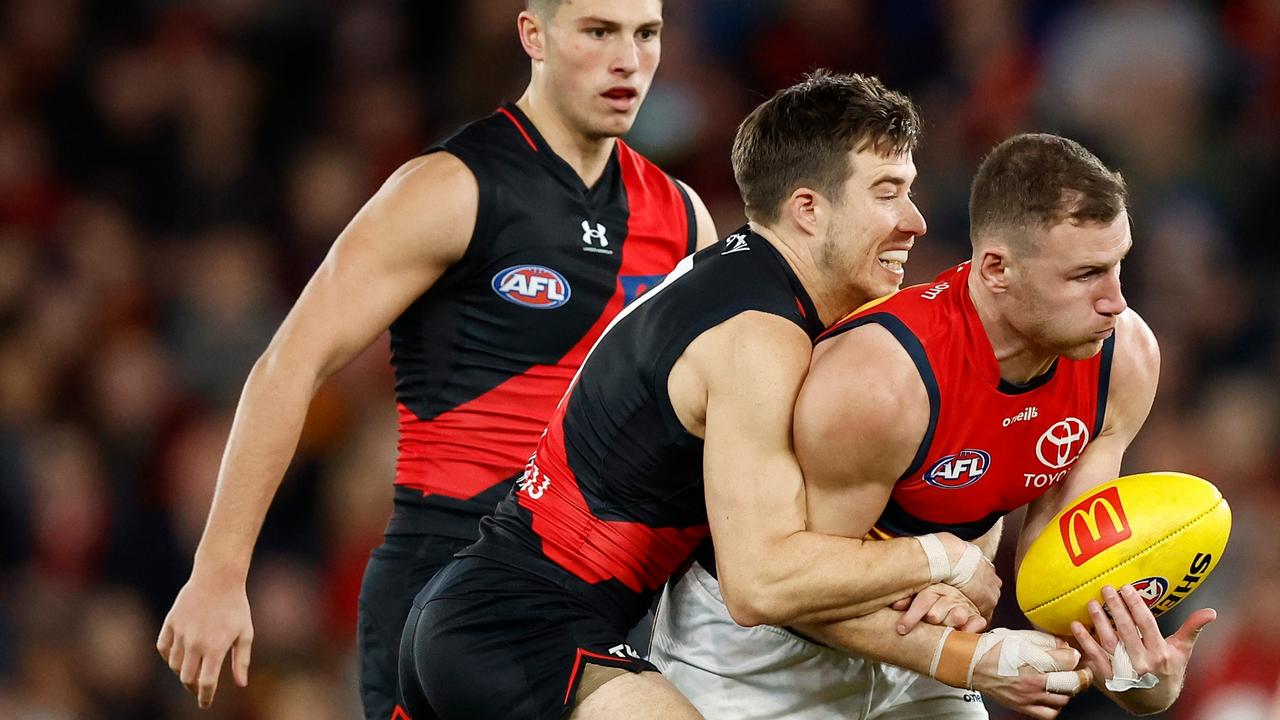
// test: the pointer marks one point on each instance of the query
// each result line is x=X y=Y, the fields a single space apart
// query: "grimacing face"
x=599 y=61
x=1065 y=296
x=873 y=226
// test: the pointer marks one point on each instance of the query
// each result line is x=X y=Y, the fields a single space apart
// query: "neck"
x=588 y=156
x=831 y=302
x=1019 y=360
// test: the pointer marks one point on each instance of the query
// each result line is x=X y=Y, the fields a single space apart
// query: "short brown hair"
x=543 y=8
x=1037 y=180
x=802 y=136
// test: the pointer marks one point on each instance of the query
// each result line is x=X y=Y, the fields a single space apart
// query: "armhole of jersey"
x=915 y=350
x=1104 y=382
x=691 y=217
x=671 y=354
x=484 y=201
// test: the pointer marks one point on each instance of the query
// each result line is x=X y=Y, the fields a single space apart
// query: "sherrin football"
x=1162 y=532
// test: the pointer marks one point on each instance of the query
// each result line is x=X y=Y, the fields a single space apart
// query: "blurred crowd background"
x=172 y=171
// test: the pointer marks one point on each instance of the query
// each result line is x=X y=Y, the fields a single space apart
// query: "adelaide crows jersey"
x=991 y=446
x=613 y=498
x=482 y=357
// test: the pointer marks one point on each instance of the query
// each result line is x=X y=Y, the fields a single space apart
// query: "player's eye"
x=597 y=33
x=647 y=34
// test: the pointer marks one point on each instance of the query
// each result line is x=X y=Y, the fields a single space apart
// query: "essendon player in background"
x=678 y=427
x=496 y=260
x=1019 y=377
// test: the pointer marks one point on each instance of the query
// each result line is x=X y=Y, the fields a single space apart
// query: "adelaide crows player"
x=496 y=259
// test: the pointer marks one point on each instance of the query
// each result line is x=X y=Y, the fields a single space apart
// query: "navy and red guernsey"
x=482 y=357
x=991 y=446
x=612 y=502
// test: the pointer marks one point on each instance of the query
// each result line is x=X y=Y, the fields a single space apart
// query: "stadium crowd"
x=171 y=173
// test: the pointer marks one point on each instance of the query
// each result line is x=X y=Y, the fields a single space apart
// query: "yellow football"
x=1161 y=532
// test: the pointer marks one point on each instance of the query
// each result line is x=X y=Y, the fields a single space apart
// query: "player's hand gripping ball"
x=1161 y=532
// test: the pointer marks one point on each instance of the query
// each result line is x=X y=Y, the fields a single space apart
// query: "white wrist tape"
x=1125 y=677
x=940 y=569
x=937 y=652
x=1026 y=647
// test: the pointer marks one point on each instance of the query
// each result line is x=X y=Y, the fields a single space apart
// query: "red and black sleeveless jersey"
x=483 y=356
x=612 y=503
x=991 y=446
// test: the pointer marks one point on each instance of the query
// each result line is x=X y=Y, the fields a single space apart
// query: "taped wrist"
x=940 y=568
x=954 y=658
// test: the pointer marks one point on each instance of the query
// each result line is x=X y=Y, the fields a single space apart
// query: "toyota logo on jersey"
x=532 y=286
x=959 y=470
x=1062 y=443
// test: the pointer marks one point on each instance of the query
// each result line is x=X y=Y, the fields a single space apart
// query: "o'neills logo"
x=1093 y=525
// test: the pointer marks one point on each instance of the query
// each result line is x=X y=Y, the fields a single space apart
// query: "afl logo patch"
x=532 y=286
x=1151 y=589
x=959 y=470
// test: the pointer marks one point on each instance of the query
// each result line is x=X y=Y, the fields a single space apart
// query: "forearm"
x=875 y=637
x=815 y=578
x=263 y=437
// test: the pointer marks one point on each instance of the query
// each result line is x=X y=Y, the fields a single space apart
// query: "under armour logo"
x=1062 y=443
x=735 y=243
x=593 y=237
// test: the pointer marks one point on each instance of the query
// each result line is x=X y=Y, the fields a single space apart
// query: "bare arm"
x=860 y=419
x=1134 y=376
x=396 y=247
x=744 y=375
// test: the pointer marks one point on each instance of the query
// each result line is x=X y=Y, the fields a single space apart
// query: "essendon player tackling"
x=678 y=428
x=1016 y=378
x=496 y=259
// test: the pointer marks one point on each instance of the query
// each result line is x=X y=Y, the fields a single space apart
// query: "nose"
x=912 y=221
x=1111 y=301
x=627 y=60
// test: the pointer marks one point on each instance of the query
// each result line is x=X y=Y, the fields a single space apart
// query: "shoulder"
x=1135 y=372
x=706 y=230
x=427 y=207
x=862 y=381
x=751 y=345
x=439 y=174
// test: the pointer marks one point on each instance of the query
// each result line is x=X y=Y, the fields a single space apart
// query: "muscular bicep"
x=416 y=225
x=860 y=418
x=752 y=367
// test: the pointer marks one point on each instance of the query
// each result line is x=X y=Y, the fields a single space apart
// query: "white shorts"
x=734 y=673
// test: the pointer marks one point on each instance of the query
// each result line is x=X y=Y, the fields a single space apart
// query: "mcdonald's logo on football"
x=1093 y=525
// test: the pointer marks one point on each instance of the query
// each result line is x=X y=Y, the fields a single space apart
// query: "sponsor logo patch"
x=1062 y=443
x=1093 y=525
x=959 y=470
x=533 y=286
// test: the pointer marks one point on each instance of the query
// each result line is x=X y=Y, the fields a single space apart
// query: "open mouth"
x=893 y=260
x=621 y=98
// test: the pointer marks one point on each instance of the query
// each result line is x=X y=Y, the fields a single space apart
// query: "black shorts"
x=397 y=570
x=488 y=640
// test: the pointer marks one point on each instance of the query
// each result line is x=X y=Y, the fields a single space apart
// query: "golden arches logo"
x=1093 y=525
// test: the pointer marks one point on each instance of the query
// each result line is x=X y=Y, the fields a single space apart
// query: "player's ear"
x=533 y=35
x=806 y=208
x=991 y=263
